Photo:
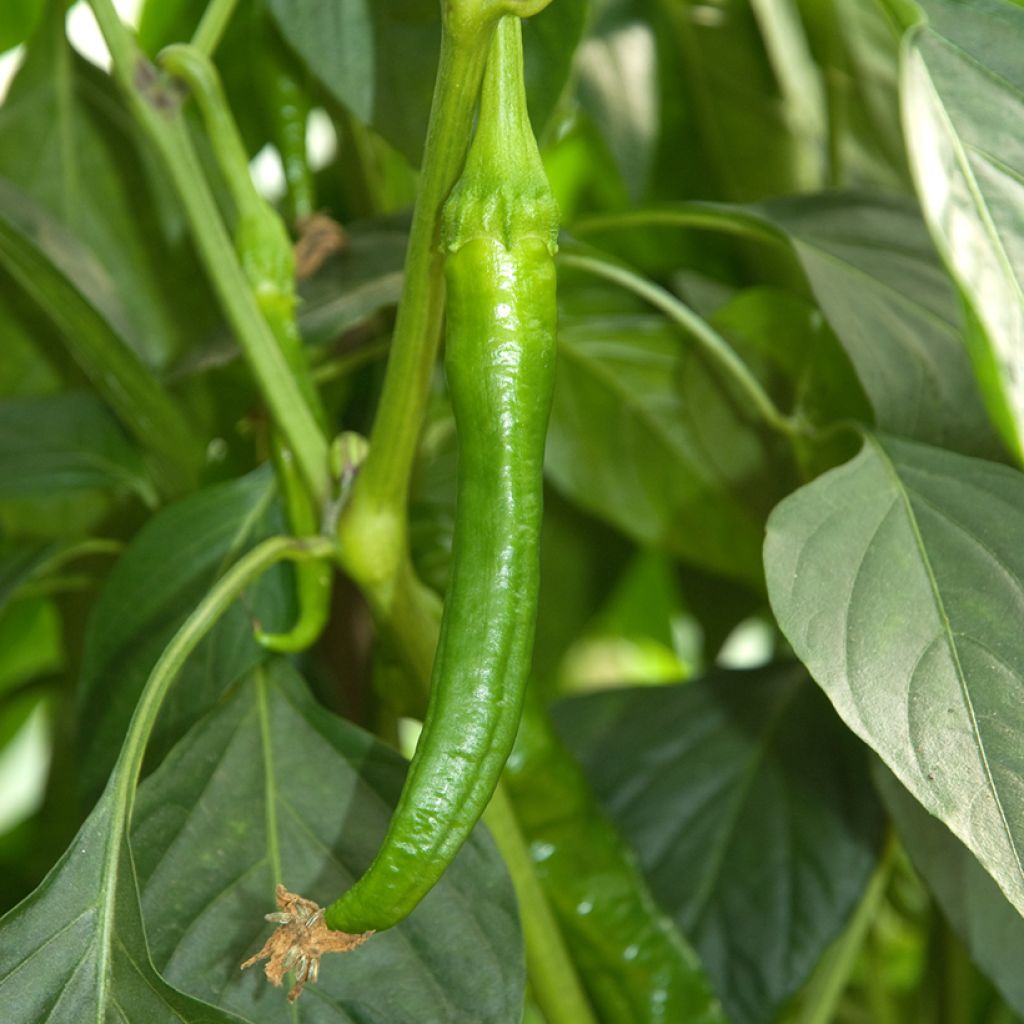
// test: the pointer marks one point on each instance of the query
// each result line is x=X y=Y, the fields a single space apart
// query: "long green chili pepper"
x=265 y=251
x=633 y=963
x=499 y=233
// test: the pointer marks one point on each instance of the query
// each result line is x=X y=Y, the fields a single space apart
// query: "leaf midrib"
x=950 y=637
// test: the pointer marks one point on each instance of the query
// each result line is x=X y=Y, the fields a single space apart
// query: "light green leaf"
x=963 y=103
x=897 y=579
x=272 y=788
x=750 y=809
x=20 y=17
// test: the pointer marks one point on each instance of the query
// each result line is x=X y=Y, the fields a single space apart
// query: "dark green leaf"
x=271 y=788
x=796 y=355
x=645 y=435
x=756 y=95
x=66 y=442
x=156 y=583
x=75 y=951
x=876 y=276
x=750 y=809
x=963 y=99
x=897 y=580
x=857 y=46
x=618 y=88
x=86 y=172
x=990 y=927
x=550 y=40
x=380 y=58
x=81 y=299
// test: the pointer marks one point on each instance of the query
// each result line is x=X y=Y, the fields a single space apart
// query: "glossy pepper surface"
x=499 y=235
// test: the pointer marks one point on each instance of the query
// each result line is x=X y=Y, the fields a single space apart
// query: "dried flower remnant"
x=299 y=941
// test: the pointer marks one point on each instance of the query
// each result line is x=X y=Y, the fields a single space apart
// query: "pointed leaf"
x=272 y=788
x=66 y=283
x=750 y=809
x=75 y=951
x=897 y=579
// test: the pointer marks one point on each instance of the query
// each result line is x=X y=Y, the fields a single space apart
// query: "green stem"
x=729 y=220
x=553 y=978
x=373 y=529
x=220 y=597
x=341 y=366
x=156 y=110
x=212 y=25
x=709 y=339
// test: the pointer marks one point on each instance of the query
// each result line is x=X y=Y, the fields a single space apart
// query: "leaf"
x=897 y=580
x=785 y=339
x=64 y=280
x=68 y=442
x=169 y=565
x=754 y=133
x=963 y=89
x=20 y=17
x=644 y=435
x=380 y=58
x=991 y=929
x=86 y=913
x=748 y=805
x=874 y=272
x=857 y=46
x=550 y=41
x=271 y=787
x=618 y=88
x=86 y=172
x=74 y=950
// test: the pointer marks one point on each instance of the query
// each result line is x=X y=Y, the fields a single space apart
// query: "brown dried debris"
x=320 y=237
x=299 y=941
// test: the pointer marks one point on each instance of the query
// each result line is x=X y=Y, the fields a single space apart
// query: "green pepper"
x=634 y=964
x=499 y=233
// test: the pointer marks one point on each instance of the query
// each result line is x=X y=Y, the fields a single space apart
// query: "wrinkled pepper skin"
x=499 y=237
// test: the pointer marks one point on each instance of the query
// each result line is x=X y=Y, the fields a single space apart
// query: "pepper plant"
x=691 y=586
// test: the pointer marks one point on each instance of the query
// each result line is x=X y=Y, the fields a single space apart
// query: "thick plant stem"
x=155 y=108
x=373 y=529
x=553 y=979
